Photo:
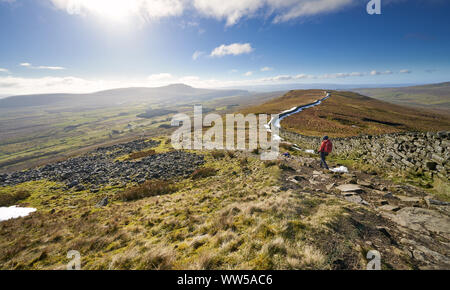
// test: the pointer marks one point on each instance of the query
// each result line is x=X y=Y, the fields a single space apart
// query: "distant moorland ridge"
x=347 y=114
x=433 y=96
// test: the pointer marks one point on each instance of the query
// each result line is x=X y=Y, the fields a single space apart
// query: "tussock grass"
x=218 y=154
x=149 y=257
x=142 y=154
x=243 y=161
x=270 y=163
x=203 y=173
x=442 y=189
x=149 y=188
x=8 y=199
x=231 y=154
x=239 y=220
x=285 y=166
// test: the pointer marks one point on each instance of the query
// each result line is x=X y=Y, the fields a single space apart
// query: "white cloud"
x=50 y=67
x=376 y=73
x=16 y=85
x=357 y=74
x=120 y=10
x=282 y=78
x=303 y=76
x=10 y=85
x=197 y=54
x=29 y=65
x=232 y=49
x=233 y=71
x=301 y=8
x=405 y=71
x=281 y=10
x=266 y=68
x=230 y=11
x=307 y=76
x=342 y=75
x=4 y=70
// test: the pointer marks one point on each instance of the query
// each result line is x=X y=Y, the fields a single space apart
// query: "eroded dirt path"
x=397 y=220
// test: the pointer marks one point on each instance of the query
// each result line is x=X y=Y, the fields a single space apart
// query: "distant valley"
x=35 y=129
x=160 y=95
x=434 y=96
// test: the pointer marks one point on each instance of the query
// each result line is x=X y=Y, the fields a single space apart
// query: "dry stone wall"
x=420 y=152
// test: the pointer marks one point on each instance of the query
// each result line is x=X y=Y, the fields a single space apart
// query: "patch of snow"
x=12 y=212
x=309 y=151
x=295 y=147
x=276 y=121
x=341 y=169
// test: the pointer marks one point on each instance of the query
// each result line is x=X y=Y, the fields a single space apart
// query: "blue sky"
x=82 y=46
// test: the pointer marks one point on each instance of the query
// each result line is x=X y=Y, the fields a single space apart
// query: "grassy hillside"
x=435 y=96
x=349 y=114
x=287 y=101
x=235 y=212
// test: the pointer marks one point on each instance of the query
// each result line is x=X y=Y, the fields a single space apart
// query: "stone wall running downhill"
x=420 y=152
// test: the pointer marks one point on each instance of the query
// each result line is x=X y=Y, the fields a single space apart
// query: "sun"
x=113 y=10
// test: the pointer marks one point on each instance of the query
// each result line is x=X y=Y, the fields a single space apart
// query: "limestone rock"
x=388 y=207
x=408 y=198
x=356 y=199
x=423 y=220
x=364 y=183
x=350 y=188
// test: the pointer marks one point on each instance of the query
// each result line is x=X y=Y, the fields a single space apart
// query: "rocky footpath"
x=100 y=167
x=398 y=218
x=426 y=153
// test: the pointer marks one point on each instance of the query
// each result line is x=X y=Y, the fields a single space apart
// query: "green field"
x=435 y=97
x=35 y=135
x=28 y=137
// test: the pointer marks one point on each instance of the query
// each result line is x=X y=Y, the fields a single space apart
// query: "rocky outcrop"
x=419 y=152
x=100 y=167
x=397 y=218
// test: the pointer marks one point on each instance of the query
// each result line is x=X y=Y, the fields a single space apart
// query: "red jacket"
x=326 y=146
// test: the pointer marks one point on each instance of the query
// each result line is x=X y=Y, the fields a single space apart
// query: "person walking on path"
x=325 y=148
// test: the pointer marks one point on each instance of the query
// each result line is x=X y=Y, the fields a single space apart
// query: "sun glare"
x=113 y=10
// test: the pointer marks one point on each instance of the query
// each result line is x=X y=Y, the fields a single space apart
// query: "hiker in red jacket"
x=324 y=150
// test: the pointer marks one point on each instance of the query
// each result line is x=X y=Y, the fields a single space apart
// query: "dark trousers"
x=323 y=163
